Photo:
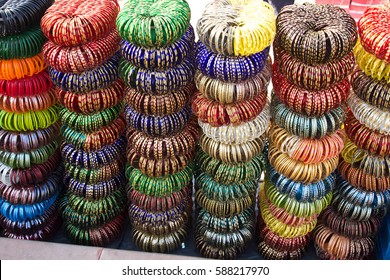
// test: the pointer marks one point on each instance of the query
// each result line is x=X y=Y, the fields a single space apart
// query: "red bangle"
x=26 y=104
x=29 y=86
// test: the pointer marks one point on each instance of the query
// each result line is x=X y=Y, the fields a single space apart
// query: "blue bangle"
x=228 y=68
x=157 y=82
x=299 y=191
x=95 y=79
x=156 y=125
x=162 y=58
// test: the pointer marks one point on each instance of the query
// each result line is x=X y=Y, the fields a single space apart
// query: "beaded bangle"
x=365 y=138
x=178 y=144
x=95 y=79
x=30 y=176
x=226 y=27
x=92 y=101
x=372 y=66
x=226 y=173
x=25 y=104
x=223 y=209
x=316 y=34
x=243 y=133
x=150 y=23
x=73 y=23
x=372 y=91
x=304 y=126
x=223 y=193
x=317 y=77
x=161 y=58
x=341 y=247
x=232 y=153
x=96 y=158
x=94 y=141
x=24 y=45
x=28 y=86
x=311 y=103
x=217 y=114
x=28 y=121
x=17 y=142
x=100 y=236
x=300 y=209
x=357 y=177
x=225 y=225
x=159 y=243
x=298 y=191
x=161 y=229
x=373 y=31
x=28 y=159
x=95 y=191
x=210 y=251
x=157 y=81
x=227 y=93
x=159 y=105
x=299 y=171
x=352 y=229
x=227 y=68
x=370 y=116
x=20 y=15
x=159 y=187
x=307 y=150
x=77 y=59
x=20 y=68
x=270 y=253
x=156 y=125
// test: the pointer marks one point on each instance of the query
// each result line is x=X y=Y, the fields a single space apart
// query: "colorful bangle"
x=370 y=116
x=160 y=58
x=365 y=138
x=228 y=68
x=162 y=186
x=18 y=16
x=17 y=142
x=373 y=31
x=28 y=121
x=156 y=125
x=20 y=68
x=372 y=91
x=310 y=103
x=24 y=45
x=150 y=23
x=159 y=105
x=298 y=191
x=157 y=81
x=25 y=104
x=304 y=126
x=217 y=114
x=317 y=77
x=316 y=34
x=270 y=253
x=94 y=141
x=73 y=23
x=307 y=150
x=231 y=37
x=28 y=86
x=227 y=93
x=232 y=153
x=243 y=133
x=227 y=173
x=92 y=101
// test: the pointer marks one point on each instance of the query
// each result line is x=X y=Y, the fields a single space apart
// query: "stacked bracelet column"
x=157 y=67
x=233 y=73
x=313 y=58
x=82 y=52
x=362 y=196
x=30 y=171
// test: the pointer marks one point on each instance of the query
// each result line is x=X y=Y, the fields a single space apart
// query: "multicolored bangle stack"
x=362 y=196
x=313 y=58
x=30 y=171
x=82 y=52
x=233 y=73
x=157 y=67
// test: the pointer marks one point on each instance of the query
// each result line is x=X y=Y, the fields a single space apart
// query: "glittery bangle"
x=26 y=104
x=161 y=229
x=21 y=68
x=28 y=86
x=270 y=253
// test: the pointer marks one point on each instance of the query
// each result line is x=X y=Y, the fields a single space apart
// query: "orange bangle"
x=19 y=68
